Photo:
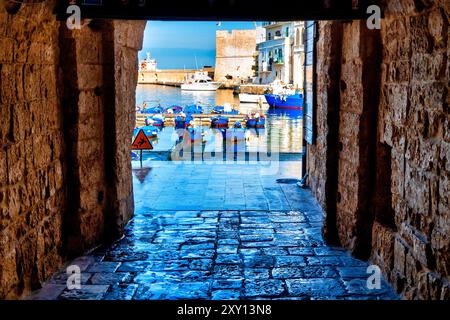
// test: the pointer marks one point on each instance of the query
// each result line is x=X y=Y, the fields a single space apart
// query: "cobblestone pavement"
x=258 y=239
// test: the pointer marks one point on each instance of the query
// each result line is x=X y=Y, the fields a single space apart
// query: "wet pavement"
x=219 y=232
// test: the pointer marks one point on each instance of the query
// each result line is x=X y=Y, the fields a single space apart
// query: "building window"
x=287 y=32
x=269 y=36
x=278 y=33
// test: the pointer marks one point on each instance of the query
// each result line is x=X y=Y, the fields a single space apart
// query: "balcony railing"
x=278 y=61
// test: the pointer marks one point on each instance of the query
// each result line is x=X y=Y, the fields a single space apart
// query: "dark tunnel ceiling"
x=223 y=10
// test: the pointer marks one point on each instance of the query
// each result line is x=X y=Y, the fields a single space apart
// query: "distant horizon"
x=177 y=44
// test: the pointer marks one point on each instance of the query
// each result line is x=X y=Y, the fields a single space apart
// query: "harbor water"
x=284 y=127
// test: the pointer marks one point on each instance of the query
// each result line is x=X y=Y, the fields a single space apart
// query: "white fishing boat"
x=200 y=82
x=252 y=98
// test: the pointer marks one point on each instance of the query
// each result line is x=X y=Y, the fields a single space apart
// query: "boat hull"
x=210 y=86
x=294 y=102
x=252 y=98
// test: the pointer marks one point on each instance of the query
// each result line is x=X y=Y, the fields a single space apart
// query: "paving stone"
x=251 y=251
x=275 y=251
x=263 y=288
x=319 y=272
x=290 y=261
x=121 y=292
x=227 y=249
x=110 y=278
x=189 y=254
x=256 y=237
x=228 y=242
x=62 y=277
x=227 y=271
x=259 y=261
x=325 y=261
x=103 y=266
x=287 y=273
x=171 y=276
x=87 y=292
x=172 y=291
x=328 y=251
x=360 y=287
x=124 y=256
x=202 y=246
x=315 y=288
x=353 y=272
x=227 y=284
x=256 y=274
x=262 y=244
x=301 y=251
x=225 y=294
x=228 y=259
x=135 y=266
x=272 y=255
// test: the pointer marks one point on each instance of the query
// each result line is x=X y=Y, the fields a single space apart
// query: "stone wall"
x=235 y=54
x=415 y=122
x=32 y=186
x=392 y=186
x=67 y=116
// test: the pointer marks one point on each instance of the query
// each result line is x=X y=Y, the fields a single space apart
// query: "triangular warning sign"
x=141 y=142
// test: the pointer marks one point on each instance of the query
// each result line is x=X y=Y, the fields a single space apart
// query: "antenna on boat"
x=196 y=65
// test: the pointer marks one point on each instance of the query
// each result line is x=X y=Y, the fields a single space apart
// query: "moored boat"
x=182 y=121
x=200 y=82
x=252 y=98
x=293 y=101
x=219 y=122
x=173 y=110
x=255 y=121
x=155 y=120
x=193 y=109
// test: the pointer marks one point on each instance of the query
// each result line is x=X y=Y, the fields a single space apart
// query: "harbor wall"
x=172 y=76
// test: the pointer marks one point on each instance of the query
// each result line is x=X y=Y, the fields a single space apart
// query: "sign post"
x=141 y=143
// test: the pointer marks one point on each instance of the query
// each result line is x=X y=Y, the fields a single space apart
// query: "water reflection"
x=283 y=127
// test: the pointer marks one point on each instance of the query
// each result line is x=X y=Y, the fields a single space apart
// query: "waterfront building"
x=280 y=56
x=236 y=56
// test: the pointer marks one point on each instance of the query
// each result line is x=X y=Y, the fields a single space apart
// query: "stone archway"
x=67 y=112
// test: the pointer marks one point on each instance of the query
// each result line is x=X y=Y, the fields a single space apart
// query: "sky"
x=176 y=44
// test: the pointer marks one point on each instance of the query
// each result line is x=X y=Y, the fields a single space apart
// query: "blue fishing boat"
x=156 y=120
x=222 y=110
x=193 y=109
x=152 y=110
x=182 y=122
x=255 y=121
x=237 y=125
x=134 y=156
x=173 y=109
x=294 y=101
x=219 y=122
